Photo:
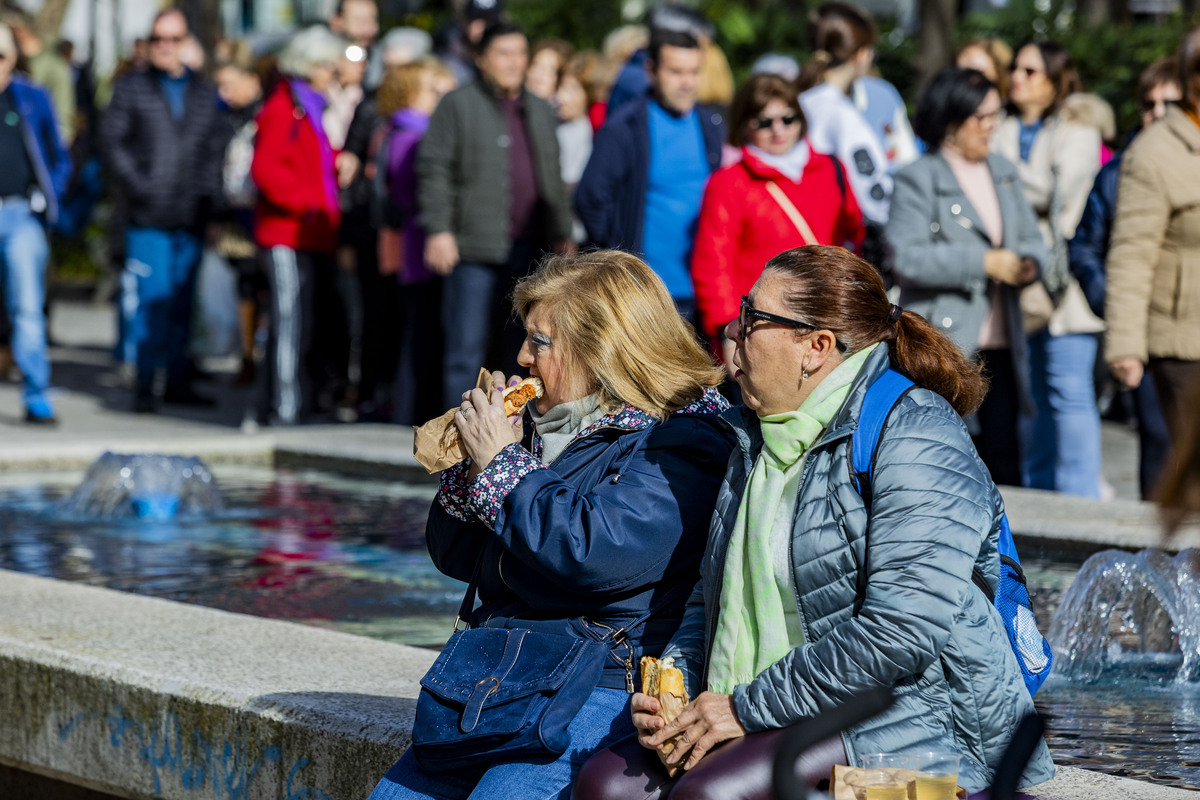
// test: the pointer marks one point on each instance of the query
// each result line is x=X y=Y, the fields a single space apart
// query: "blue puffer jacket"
x=922 y=626
x=614 y=526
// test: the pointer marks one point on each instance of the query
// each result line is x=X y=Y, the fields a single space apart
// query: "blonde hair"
x=618 y=327
x=716 y=79
x=402 y=83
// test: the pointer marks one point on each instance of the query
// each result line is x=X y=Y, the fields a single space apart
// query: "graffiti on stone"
x=227 y=769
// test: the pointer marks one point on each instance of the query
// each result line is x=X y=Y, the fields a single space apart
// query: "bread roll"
x=664 y=682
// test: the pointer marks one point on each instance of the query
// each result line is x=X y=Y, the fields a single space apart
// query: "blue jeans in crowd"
x=1061 y=445
x=158 y=285
x=477 y=325
x=24 y=251
x=603 y=721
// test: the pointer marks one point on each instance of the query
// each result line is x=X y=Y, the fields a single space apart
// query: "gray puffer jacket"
x=922 y=626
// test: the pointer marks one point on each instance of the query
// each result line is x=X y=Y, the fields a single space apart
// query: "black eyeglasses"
x=763 y=123
x=748 y=314
x=166 y=40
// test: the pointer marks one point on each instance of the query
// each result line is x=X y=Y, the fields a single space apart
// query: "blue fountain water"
x=143 y=486
x=1131 y=614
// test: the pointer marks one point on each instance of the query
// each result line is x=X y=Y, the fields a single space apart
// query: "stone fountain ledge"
x=139 y=698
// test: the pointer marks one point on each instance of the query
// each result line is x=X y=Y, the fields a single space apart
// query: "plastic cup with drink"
x=936 y=775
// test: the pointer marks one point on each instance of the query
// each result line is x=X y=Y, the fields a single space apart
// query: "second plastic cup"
x=936 y=775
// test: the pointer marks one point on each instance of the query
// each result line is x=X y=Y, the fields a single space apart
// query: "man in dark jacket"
x=491 y=198
x=159 y=137
x=1088 y=250
x=650 y=164
x=34 y=176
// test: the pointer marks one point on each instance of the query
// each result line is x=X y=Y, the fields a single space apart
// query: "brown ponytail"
x=838 y=291
x=836 y=32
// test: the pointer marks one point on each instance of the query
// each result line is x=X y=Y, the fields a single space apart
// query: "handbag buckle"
x=474 y=707
x=457 y=620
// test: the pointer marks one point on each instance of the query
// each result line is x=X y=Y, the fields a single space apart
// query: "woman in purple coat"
x=407 y=98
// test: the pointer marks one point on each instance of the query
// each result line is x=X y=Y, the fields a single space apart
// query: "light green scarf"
x=751 y=630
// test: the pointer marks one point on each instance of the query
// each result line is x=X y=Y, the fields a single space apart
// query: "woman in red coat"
x=779 y=196
x=296 y=171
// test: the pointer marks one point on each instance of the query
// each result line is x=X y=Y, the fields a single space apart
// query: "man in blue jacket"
x=643 y=185
x=35 y=174
x=1158 y=86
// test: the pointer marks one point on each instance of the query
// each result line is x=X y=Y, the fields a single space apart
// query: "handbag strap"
x=792 y=213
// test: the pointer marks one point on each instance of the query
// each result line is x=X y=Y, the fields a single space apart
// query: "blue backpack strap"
x=881 y=397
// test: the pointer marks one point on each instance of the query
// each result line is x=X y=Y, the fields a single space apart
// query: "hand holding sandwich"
x=484 y=424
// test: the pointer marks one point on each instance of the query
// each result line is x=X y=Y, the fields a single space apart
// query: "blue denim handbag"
x=510 y=693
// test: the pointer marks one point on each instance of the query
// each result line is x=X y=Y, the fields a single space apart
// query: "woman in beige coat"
x=1152 y=299
x=1057 y=160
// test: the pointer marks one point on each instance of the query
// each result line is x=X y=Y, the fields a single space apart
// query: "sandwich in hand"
x=436 y=445
x=664 y=682
x=518 y=396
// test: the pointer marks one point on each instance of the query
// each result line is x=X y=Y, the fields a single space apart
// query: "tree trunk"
x=936 y=36
x=48 y=20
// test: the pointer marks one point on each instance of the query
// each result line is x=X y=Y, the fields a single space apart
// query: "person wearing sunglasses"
x=1057 y=159
x=812 y=589
x=1158 y=89
x=161 y=138
x=1152 y=296
x=780 y=195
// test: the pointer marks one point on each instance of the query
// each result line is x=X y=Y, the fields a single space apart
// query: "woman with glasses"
x=810 y=592
x=590 y=510
x=1057 y=161
x=964 y=242
x=780 y=195
x=1153 y=290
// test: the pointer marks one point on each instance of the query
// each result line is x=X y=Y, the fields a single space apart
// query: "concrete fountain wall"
x=146 y=698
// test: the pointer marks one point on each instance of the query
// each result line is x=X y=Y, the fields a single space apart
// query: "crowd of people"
x=710 y=282
x=378 y=203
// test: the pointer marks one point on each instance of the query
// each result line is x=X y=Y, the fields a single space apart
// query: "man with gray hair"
x=159 y=136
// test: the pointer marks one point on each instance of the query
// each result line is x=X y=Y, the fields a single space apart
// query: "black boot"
x=143 y=399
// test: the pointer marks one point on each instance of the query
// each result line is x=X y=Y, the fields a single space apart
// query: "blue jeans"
x=158 y=284
x=1061 y=445
x=603 y=721
x=24 y=251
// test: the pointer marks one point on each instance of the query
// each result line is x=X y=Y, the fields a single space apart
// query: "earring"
x=803 y=374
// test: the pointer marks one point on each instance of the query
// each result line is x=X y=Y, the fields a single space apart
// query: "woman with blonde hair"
x=991 y=56
x=406 y=98
x=589 y=516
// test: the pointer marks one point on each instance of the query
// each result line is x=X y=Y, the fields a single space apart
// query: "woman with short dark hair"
x=781 y=194
x=965 y=241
